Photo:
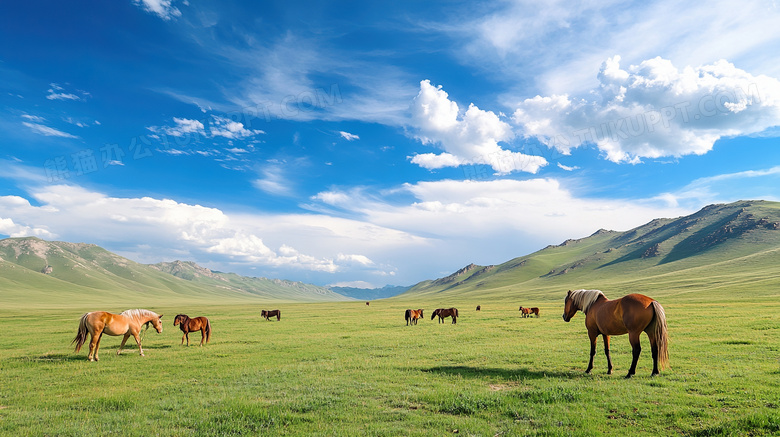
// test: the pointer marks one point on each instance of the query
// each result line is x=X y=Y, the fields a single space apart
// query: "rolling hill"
x=62 y=274
x=706 y=255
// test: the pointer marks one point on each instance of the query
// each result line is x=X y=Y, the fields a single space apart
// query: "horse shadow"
x=500 y=373
x=50 y=358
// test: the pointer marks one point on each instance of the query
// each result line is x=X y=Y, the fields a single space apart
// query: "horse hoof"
x=629 y=376
x=609 y=372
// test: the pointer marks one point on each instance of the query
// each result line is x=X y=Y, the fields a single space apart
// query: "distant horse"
x=187 y=325
x=268 y=314
x=630 y=314
x=534 y=310
x=525 y=312
x=412 y=316
x=368 y=303
x=128 y=323
x=479 y=308
x=444 y=313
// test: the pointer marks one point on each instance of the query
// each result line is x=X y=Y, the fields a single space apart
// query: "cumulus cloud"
x=654 y=110
x=162 y=8
x=471 y=137
x=227 y=128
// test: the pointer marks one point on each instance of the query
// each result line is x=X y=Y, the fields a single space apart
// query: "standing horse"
x=412 y=316
x=444 y=313
x=534 y=310
x=525 y=312
x=128 y=323
x=630 y=314
x=187 y=325
x=271 y=313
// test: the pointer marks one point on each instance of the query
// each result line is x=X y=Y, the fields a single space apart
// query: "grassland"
x=351 y=369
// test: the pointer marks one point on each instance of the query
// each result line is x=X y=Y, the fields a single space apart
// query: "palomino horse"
x=630 y=314
x=412 y=316
x=187 y=325
x=271 y=313
x=128 y=323
x=444 y=313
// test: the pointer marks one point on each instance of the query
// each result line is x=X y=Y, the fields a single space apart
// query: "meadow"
x=351 y=369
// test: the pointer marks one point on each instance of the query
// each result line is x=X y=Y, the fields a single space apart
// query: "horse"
x=444 y=313
x=97 y=323
x=271 y=313
x=368 y=303
x=525 y=312
x=630 y=314
x=412 y=316
x=187 y=325
x=479 y=307
x=534 y=310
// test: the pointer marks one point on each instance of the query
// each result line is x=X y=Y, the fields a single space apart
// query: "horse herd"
x=631 y=314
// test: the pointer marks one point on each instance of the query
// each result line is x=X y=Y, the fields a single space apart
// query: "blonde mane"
x=583 y=299
x=139 y=314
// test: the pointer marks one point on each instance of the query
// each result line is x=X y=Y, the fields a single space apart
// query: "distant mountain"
x=56 y=273
x=714 y=250
x=261 y=287
x=370 y=293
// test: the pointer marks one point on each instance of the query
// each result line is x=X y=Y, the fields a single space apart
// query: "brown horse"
x=271 y=313
x=412 y=316
x=630 y=314
x=525 y=312
x=534 y=310
x=444 y=313
x=479 y=307
x=128 y=323
x=187 y=325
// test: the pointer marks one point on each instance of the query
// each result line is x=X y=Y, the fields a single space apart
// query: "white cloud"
x=567 y=168
x=33 y=118
x=654 y=110
x=469 y=138
x=348 y=136
x=47 y=131
x=56 y=92
x=162 y=8
x=225 y=127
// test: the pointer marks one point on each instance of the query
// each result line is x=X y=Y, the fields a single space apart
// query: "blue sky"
x=359 y=144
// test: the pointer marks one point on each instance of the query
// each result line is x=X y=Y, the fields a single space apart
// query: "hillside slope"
x=705 y=254
x=62 y=274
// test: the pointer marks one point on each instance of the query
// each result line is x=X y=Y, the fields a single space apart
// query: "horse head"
x=421 y=313
x=157 y=323
x=180 y=318
x=569 y=309
x=435 y=313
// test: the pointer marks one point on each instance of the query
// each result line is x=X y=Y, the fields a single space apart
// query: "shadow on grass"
x=508 y=374
x=50 y=358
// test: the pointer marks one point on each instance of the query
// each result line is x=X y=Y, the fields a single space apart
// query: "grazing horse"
x=444 y=313
x=128 y=323
x=479 y=307
x=268 y=314
x=534 y=310
x=368 y=303
x=630 y=314
x=525 y=312
x=412 y=316
x=187 y=325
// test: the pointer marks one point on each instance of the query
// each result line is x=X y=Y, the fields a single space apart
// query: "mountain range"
x=704 y=255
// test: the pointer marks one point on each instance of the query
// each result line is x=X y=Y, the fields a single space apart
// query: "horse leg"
x=593 y=337
x=454 y=320
x=124 y=340
x=138 y=341
x=187 y=334
x=202 y=334
x=182 y=339
x=606 y=352
x=93 y=342
x=636 y=349
x=654 y=349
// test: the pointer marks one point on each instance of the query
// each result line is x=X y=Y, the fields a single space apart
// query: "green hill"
x=34 y=272
x=701 y=256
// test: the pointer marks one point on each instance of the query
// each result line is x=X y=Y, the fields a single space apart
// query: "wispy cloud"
x=162 y=8
x=47 y=131
x=348 y=136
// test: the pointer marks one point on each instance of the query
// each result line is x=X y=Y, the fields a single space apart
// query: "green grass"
x=349 y=369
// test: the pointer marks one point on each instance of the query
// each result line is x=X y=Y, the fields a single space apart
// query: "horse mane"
x=583 y=299
x=139 y=313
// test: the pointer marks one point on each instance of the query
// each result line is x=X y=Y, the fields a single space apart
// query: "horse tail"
x=407 y=316
x=661 y=335
x=278 y=315
x=81 y=335
x=208 y=330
